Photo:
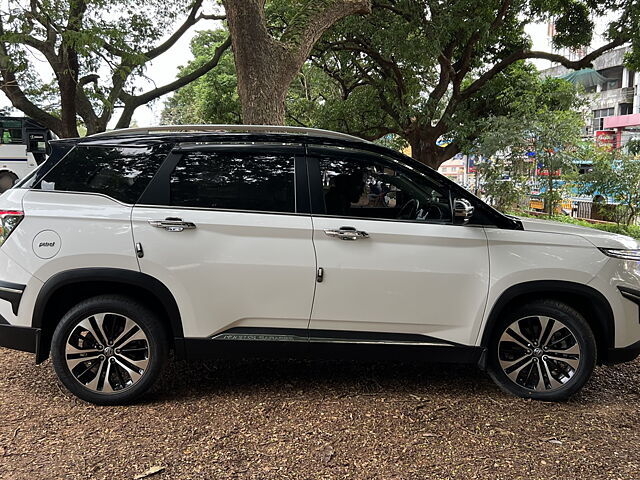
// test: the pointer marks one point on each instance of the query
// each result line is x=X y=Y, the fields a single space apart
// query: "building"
x=613 y=97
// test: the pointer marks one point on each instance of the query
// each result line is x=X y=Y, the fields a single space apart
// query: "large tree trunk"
x=264 y=70
x=424 y=146
x=68 y=84
x=266 y=66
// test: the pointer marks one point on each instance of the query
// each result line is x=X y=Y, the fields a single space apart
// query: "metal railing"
x=230 y=129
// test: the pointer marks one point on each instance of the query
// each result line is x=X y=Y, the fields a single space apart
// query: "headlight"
x=622 y=253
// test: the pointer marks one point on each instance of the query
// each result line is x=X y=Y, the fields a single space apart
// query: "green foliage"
x=539 y=129
x=629 y=230
x=574 y=25
x=503 y=182
x=615 y=175
x=438 y=70
x=213 y=98
x=633 y=147
x=96 y=52
x=555 y=137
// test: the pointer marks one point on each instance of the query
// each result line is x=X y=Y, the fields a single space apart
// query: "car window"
x=372 y=189
x=237 y=181
x=119 y=172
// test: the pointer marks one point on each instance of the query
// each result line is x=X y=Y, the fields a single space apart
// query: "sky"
x=165 y=68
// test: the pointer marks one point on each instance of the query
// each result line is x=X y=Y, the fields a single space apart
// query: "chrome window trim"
x=226 y=210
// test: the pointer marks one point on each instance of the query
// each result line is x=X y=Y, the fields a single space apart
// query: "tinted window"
x=371 y=189
x=119 y=172
x=237 y=181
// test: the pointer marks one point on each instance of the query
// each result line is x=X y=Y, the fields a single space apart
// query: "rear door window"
x=234 y=181
x=118 y=172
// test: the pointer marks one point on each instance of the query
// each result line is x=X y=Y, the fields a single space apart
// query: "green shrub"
x=629 y=230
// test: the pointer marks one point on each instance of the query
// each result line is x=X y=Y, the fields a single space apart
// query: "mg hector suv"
x=250 y=240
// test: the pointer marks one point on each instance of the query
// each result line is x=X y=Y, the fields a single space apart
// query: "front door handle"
x=347 y=233
x=172 y=224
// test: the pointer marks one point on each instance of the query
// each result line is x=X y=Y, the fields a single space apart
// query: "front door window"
x=366 y=188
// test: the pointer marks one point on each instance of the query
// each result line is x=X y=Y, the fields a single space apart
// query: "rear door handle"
x=172 y=224
x=347 y=233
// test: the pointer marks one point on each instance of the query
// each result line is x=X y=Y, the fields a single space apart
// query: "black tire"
x=7 y=181
x=116 y=375
x=548 y=370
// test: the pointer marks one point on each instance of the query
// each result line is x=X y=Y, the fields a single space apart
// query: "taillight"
x=9 y=220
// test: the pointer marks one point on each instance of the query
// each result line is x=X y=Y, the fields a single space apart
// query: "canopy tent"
x=586 y=77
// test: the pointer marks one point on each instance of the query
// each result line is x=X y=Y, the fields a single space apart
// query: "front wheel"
x=109 y=350
x=544 y=350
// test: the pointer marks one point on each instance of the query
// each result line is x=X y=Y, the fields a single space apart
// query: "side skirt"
x=324 y=344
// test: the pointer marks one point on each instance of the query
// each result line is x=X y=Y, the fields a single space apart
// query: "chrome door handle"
x=172 y=224
x=347 y=233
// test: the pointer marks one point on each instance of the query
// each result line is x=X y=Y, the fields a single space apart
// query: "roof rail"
x=230 y=128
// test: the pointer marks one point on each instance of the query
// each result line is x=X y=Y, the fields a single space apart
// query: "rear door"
x=222 y=228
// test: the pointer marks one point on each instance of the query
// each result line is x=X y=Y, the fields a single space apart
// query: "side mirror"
x=462 y=211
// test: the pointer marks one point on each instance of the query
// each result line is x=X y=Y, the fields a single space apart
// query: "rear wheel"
x=109 y=350
x=544 y=350
x=7 y=180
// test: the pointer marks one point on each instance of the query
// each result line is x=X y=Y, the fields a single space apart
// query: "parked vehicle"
x=23 y=146
x=250 y=240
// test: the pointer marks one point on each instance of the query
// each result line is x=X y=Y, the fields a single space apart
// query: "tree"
x=615 y=175
x=271 y=45
x=555 y=140
x=539 y=131
x=633 y=146
x=212 y=98
x=421 y=69
x=94 y=56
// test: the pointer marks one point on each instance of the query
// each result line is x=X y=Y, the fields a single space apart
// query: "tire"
x=544 y=350
x=118 y=370
x=7 y=180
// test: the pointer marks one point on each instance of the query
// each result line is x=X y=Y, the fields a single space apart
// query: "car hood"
x=599 y=238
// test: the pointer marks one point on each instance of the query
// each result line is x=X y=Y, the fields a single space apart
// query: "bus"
x=24 y=144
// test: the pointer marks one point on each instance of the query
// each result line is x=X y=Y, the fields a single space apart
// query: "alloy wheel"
x=539 y=353
x=107 y=353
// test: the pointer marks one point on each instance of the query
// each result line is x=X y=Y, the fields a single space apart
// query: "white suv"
x=221 y=240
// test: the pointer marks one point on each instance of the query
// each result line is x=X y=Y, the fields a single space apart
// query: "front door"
x=395 y=267
x=221 y=229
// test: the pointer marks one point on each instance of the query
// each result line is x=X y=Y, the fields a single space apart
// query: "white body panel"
x=234 y=269
x=257 y=269
x=94 y=231
x=407 y=277
x=625 y=273
x=556 y=251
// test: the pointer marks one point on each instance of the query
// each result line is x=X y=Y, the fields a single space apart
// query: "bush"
x=629 y=230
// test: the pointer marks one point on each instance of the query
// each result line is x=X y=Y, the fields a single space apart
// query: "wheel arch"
x=65 y=289
x=588 y=301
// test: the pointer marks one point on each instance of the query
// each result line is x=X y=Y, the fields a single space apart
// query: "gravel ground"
x=318 y=420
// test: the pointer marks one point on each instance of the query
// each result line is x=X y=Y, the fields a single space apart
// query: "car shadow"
x=286 y=378
x=341 y=378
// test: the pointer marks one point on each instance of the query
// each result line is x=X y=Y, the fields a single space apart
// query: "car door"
x=220 y=226
x=393 y=264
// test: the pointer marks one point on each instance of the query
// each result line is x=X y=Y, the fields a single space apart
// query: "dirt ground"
x=318 y=420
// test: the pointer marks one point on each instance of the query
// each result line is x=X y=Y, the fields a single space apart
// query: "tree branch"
x=584 y=62
x=131 y=102
x=191 y=20
x=307 y=28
